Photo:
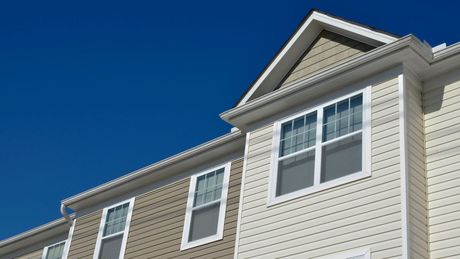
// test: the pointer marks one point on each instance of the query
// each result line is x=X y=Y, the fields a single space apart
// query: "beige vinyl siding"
x=363 y=213
x=85 y=235
x=442 y=128
x=328 y=49
x=33 y=255
x=418 y=211
x=158 y=219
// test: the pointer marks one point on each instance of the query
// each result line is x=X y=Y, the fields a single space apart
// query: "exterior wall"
x=85 y=235
x=158 y=221
x=328 y=49
x=33 y=255
x=417 y=197
x=441 y=101
x=363 y=213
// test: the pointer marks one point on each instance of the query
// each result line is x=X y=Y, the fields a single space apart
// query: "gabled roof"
x=307 y=31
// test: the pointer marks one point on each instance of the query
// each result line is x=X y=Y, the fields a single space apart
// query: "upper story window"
x=54 y=251
x=322 y=147
x=205 y=213
x=113 y=231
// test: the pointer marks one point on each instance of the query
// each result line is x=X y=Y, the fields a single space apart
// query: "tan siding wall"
x=442 y=128
x=33 y=255
x=418 y=211
x=158 y=219
x=328 y=49
x=85 y=235
x=358 y=214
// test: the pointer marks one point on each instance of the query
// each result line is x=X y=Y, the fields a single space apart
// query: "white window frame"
x=185 y=244
x=366 y=252
x=317 y=185
x=45 y=249
x=100 y=237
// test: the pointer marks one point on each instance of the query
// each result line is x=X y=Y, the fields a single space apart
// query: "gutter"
x=65 y=214
x=148 y=169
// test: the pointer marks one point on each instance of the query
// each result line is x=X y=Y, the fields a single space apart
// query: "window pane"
x=329 y=123
x=342 y=118
x=341 y=158
x=204 y=222
x=209 y=187
x=110 y=247
x=297 y=134
x=55 y=252
x=116 y=219
x=296 y=173
x=356 y=110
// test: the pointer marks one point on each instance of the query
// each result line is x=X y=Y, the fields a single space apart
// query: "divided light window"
x=320 y=148
x=54 y=251
x=206 y=207
x=113 y=231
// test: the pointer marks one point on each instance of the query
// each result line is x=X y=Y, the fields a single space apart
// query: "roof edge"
x=155 y=166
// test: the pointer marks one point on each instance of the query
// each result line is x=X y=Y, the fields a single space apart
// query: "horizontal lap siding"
x=418 y=211
x=328 y=49
x=158 y=219
x=442 y=129
x=364 y=213
x=33 y=255
x=85 y=235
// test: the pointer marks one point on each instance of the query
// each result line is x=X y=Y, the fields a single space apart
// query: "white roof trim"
x=325 y=21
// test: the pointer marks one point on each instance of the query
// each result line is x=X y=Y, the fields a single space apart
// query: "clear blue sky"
x=91 y=91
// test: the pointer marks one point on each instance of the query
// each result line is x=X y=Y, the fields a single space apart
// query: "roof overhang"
x=187 y=160
x=408 y=50
x=301 y=39
x=39 y=234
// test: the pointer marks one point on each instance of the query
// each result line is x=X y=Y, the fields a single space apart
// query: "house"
x=347 y=145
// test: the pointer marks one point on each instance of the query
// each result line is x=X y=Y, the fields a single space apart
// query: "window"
x=205 y=213
x=54 y=251
x=113 y=231
x=321 y=148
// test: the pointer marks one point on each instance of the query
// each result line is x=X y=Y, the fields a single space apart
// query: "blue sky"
x=91 y=91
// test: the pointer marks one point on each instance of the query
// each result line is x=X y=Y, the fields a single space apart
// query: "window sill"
x=314 y=189
x=200 y=242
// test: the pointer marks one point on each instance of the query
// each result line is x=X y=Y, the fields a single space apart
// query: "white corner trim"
x=404 y=166
x=65 y=254
x=45 y=249
x=185 y=244
x=325 y=19
x=272 y=199
x=125 y=233
x=240 y=205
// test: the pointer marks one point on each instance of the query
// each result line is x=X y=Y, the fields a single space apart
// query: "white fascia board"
x=310 y=26
x=40 y=233
x=354 y=28
x=151 y=169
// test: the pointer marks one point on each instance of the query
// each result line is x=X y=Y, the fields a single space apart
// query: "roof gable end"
x=305 y=35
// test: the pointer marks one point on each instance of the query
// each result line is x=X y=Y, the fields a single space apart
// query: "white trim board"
x=307 y=32
x=404 y=167
x=125 y=233
x=185 y=244
x=240 y=205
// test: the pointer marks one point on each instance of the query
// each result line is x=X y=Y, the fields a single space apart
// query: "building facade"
x=346 y=146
